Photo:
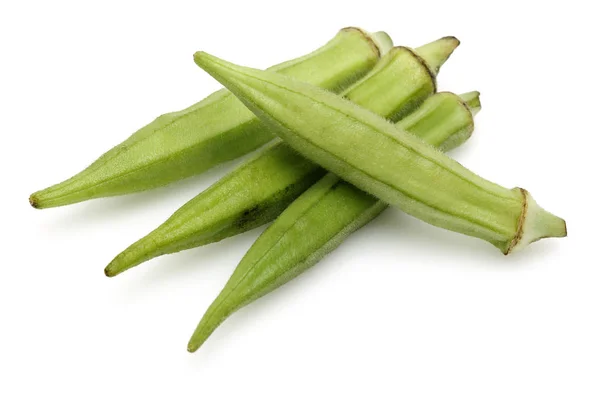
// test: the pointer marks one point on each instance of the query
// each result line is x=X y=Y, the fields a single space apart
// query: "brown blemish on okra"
x=248 y=216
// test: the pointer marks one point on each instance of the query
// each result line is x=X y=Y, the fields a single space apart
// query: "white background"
x=401 y=310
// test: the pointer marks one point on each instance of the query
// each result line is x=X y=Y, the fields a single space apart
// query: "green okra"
x=259 y=190
x=305 y=232
x=215 y=130
x=379 y=158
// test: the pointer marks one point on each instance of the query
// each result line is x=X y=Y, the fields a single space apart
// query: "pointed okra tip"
x=110 y=272
x=34 y=201
x=472 y=101
x=192 y=347
x=437 y=52
x=48 y=198
x=233 y=77
x=137 y=253
x=212 y=318
x=118 y=265
x=45 y=198
x=198 y=338
x=200 y=58
x=211 y=64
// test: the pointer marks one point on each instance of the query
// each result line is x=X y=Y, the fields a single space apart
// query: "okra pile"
x=338 y=135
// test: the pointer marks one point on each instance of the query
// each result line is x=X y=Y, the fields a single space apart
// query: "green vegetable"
x=323 y=216
x=217 y=129
x=379 y=158
x=259 y=190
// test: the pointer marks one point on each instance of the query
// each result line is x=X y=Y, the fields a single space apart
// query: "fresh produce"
x=323 y=216
x=379 y=158
x=347 y=130
x=259 y=190
x=217 y=129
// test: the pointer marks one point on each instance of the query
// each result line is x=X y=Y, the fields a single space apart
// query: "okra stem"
x=259 y=190
x=472 y=101
x=438 y=54
x=400 y=169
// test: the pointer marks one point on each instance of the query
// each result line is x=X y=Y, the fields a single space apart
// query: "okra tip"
x=211 y=320
x=34 y=201
x=200 y=58
x=196 y=341
x=216 y=67
x=137 y=253
x=127 y=259
x=192 y=347
x=116 y=266
x=44 y=199
x=109 y=272
x=437 y=52
x=53 y=196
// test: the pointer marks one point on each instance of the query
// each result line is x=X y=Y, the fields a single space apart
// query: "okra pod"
x=379 y=158
x=215 y=130
x=259 y=190
x=305 y=232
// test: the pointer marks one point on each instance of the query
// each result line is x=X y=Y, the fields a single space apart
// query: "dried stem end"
x=436 y=53
x=472 y=101
x=535 y=224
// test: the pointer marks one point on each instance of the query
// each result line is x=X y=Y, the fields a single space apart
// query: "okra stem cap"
x=535 y=224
